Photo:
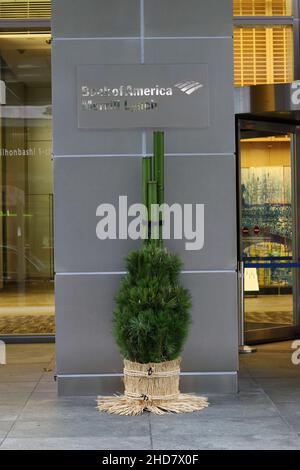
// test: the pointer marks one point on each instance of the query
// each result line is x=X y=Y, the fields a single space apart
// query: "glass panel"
x=26 y=233
x=267 y=228
x=262 y=7
x=263 y=55
x=273 y=308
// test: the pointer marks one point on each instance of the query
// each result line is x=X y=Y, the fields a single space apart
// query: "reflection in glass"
x=267 y=230
x=26 y=228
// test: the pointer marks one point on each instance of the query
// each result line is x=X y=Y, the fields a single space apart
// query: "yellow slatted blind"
x=263 y=55
x=26 y=9
x=262 y=7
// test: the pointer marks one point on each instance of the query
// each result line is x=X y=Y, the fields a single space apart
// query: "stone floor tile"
x=82 y=443
x=80 y=426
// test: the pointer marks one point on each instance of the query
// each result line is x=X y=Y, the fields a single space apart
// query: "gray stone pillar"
x=94 y=166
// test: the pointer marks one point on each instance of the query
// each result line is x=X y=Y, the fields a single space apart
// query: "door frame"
x=252 y=126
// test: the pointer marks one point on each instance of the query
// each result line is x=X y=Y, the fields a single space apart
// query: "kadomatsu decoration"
x=152 y=319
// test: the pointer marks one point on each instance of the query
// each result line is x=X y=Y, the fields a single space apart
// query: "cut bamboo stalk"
x=153 y=212
x=159 y=164
x=146 y=177
x=159 y=173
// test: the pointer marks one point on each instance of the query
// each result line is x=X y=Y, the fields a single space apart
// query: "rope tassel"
x=153 y=388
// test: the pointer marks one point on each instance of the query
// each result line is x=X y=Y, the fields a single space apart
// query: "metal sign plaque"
x=143 y=96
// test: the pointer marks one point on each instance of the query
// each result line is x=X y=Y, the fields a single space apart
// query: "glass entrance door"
x=26 y=193
x=268 y=235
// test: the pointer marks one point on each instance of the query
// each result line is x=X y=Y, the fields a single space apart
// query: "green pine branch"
x=152 y=319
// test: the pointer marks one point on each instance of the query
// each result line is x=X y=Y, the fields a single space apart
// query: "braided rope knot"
x=151 y=374
x=144 y=397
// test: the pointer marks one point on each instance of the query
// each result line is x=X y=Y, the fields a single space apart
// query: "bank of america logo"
x=189 y=87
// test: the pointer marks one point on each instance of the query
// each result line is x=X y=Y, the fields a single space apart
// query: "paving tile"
x=243 y=372
x=10 y=412
x=13 y=393
x=88 y=443
x=43 y=395
x=275 y=347
x=5 y=427
x=33 y=417
x=274 y=374
x=200 y=425
x=22 y=372
x=248 y=384
x=289 y=409
x=227 y=443
x=101 y=425
x=20 y=378
x=46 y=386
x=278 y=383
x=294 y=421
x=242 y=405
x=29 y=353
x=48 y=376
x=281 y=389
x=24 y=368
x=272 y=365
x=14 y=399
x=222 y=433
x=7 y=387
x=65 y=408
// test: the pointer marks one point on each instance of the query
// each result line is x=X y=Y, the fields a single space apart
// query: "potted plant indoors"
x=152 y=319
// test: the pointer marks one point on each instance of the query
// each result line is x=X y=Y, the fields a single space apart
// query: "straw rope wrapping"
x=154 y=388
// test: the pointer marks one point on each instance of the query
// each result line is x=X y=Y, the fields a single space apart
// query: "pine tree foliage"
x=152 y=317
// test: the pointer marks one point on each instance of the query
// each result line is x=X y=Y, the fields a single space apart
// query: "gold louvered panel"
x=263 y=55
x=250 y=50
x=26 y=9
x=283 y=56
x=282 y=8
x=262 y=7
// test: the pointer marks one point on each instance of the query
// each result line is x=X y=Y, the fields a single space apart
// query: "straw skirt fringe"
x=154 y=388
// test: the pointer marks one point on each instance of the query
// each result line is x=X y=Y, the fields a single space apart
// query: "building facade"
x=95 y=161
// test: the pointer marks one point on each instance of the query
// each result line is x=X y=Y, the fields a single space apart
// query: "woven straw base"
x=122 y=405
x=151 y=387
